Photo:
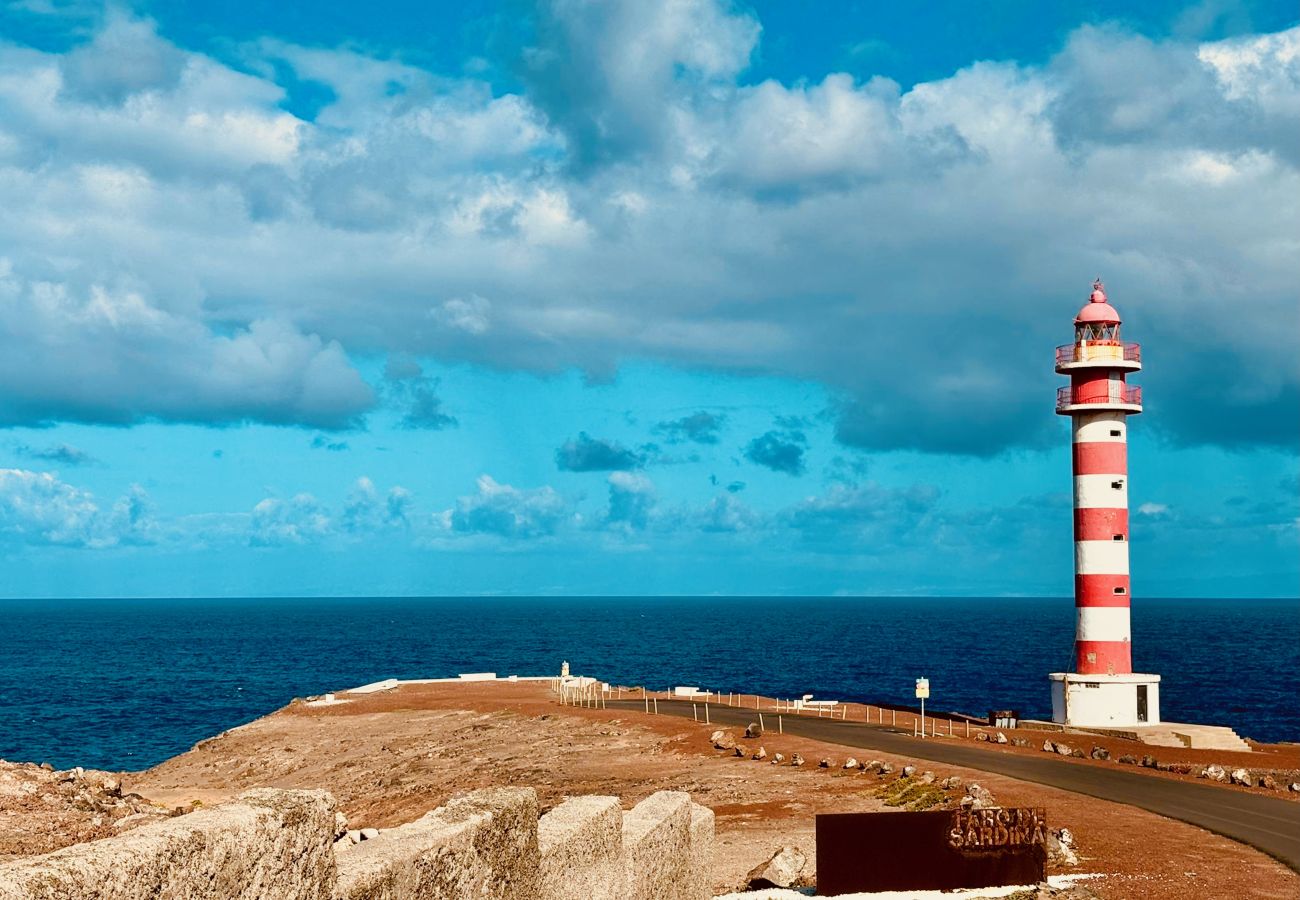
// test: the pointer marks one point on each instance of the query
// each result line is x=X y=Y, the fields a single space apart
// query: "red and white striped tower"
x=1103 y=689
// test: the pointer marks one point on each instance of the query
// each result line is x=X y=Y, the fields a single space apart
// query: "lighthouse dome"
x=1097 y=310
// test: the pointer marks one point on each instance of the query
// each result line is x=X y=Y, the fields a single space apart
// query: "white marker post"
x=922 y=691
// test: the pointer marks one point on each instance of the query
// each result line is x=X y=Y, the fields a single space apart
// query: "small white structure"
x=1105 y=701
x=564 y=669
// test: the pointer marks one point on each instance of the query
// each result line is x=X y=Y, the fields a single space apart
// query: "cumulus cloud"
x=182 y=248
x=37 y=508
x=298 y=520
x=700 y=427
x=506 y=511
x=727 y=514
x=780 y=451
x=366 y=511
x=588 y=454
x=631 y=500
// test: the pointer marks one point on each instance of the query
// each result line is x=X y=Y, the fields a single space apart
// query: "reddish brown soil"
x=391 y=757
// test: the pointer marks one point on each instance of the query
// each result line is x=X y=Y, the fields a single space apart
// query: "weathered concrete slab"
x=656 y=848
x=265 y=845
x=480 y=845
x=581 y=845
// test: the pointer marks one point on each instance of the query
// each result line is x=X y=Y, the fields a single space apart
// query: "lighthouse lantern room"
x=1102 y=690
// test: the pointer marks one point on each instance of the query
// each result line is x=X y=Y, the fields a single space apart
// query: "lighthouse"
x=1103 y=690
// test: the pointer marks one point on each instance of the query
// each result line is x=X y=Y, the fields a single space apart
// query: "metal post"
x=706 y=712
x=695 y=711
x=780 y=727
x=760 y=722
x=922 y=717
x=893 y=718
x=968 y=728
x=656 y=706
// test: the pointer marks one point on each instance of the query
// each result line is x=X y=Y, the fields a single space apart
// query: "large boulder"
x=1241 y=777
x=753 y=730
x=1100 y=753
x=723 y=740
x=1214 y=772
x=784 y=869
x=978 y=797
x=760 y=753
x=796 y=759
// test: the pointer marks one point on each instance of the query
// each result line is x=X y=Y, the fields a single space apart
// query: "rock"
x=1049 y=747
x=1162 y=766
x=47 y=767
x=778 y=758
x=1100 y=753
x=908 y=771
x=796 y=759
x=1001 y=738
x=760 y=753
x=886 y=769
x=927 y=778
x=1182 y=768
x=981 y=736
x=782 y=870
x=340 y=825
x=1268 y=782
x=369 y=834
x=1241 y=776
x=1060 y=848
x=723 y=740
x=1128 y=759
x=951 y=783
x=354 y=836
x=1294 y=787
x=1020 y=742
x=1063 y=749
x=873 y=766
x=980 y=798
x=753 y=730
x=1214 y=772
x=850 y=763
x=826 y=763
x=1148 y=762
x=112 y=787
x=741 y=752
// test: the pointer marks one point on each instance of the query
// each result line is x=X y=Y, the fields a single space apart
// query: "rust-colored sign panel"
x=930 y=850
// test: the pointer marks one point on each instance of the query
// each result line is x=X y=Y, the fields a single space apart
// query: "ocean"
x=125 y=684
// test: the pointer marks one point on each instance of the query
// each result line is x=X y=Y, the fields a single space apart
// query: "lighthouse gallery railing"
x=1111 y=392
x=1098 y=352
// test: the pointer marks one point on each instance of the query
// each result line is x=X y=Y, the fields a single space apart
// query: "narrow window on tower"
x=1117 y=485
x=1120 y=590
x=1119 y=537
x=1115 y=432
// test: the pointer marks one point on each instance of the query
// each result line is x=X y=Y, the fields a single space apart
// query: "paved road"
x=1266 y=823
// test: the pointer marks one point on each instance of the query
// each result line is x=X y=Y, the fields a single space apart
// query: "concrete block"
x=481 y=845
x=264 y=845
x=656 y=848
x=700 y=879
x=581 y=845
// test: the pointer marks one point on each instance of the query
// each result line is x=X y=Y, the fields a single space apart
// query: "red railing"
x=1095 y=351
x=1128 y=393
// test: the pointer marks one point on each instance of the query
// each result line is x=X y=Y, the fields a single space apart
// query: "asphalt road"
x=1266 y=823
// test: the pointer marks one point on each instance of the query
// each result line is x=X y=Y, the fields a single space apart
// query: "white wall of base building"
x=1103 y=701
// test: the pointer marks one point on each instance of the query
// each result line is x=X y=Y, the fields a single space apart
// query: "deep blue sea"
x=124 y=684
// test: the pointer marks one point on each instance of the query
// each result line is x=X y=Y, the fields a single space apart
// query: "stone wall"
x=266 y=844
x=280 y=845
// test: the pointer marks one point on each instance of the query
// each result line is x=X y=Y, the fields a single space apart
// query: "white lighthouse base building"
x=1105 y=701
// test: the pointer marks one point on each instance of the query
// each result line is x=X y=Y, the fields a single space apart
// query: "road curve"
x=1266 y=823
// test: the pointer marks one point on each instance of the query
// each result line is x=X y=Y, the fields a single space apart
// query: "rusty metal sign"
x=930 y=850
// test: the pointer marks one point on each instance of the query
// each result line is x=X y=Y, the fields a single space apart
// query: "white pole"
x=706 y=712
x=922 y=717
x=656 y=706
x=760 y=722
x=647 y=705
x=695 y=711
x=780 y=726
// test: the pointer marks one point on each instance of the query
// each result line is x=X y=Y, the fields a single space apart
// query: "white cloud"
x=506 y=511
x=38 y=508
x=180 y=247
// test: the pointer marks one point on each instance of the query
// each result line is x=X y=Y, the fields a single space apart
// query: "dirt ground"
x=392 y=756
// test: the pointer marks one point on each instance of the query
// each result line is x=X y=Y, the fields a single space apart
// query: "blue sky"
x=693 y=297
